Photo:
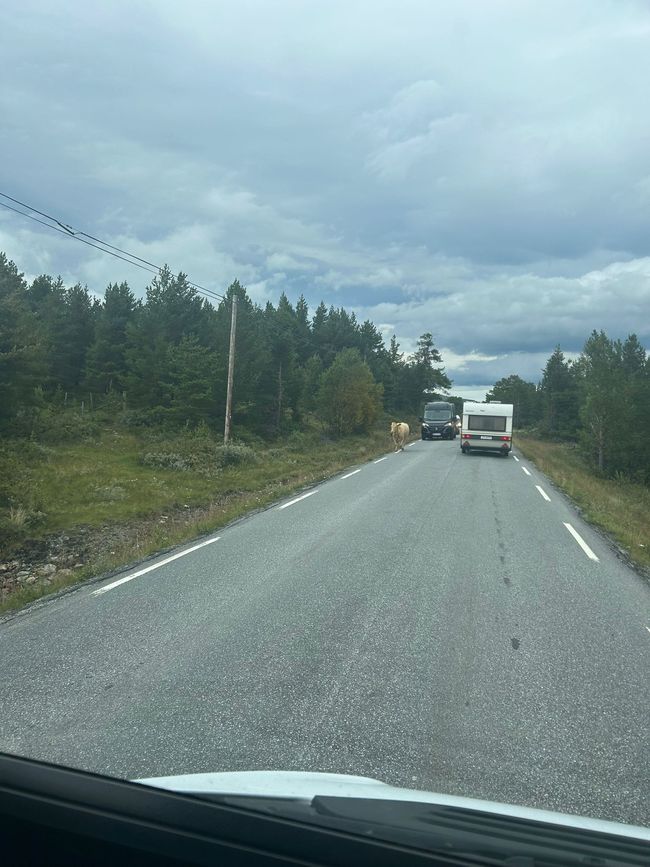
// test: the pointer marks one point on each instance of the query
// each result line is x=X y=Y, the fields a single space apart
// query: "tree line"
x=600 y=401
x=163 y=359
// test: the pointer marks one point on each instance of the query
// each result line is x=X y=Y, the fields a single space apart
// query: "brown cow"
x=400 y=433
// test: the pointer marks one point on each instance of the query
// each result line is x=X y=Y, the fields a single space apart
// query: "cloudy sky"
x=480 y=170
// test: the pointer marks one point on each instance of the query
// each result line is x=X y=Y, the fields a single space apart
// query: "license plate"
x=486 y=438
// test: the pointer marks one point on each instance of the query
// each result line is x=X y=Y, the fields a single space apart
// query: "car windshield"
x=255 y=259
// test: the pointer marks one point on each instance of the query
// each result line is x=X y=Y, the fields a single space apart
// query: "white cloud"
x=285 y=262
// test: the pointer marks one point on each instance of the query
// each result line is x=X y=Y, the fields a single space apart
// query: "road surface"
x=433 y=620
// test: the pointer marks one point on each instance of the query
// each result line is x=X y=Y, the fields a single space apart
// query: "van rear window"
x=487 y=422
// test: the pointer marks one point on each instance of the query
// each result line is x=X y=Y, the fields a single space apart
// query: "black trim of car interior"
x=55 y=815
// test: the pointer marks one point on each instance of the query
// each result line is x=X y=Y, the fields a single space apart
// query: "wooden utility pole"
x=231 y=366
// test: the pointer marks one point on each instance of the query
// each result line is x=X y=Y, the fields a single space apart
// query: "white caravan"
x=486 y=427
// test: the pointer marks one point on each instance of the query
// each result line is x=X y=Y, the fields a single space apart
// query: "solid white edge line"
x=543 y=493
x=353 y=473
x=411 y=444
x=380 y=460
x=581 y=542
x=516 y=458
x=526 y=471
x=297 y=499
x=154 y=566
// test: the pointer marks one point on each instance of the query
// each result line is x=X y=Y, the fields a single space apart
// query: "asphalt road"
x=427 y=619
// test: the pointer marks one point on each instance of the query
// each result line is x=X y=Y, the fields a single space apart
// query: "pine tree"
x=191 y=383
x=71 y=328
x=22 y=361
x=106 y=366
x=421 y=379
x=559 y=396
x=602 y=406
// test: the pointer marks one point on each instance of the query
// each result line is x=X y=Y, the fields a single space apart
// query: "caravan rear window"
x=487 y=422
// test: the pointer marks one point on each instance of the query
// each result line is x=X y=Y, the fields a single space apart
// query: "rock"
x=47 y=569
x=31 y=580
x=4 y=567
x=78 y=565
x=22 y=575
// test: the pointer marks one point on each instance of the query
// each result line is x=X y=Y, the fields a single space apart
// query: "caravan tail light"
x=466 y=436
x=507 y=439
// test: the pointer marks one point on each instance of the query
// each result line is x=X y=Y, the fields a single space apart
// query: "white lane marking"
x=516 y=458
x=353 y=473
x=411 y=444
x=526 y=471
x=581 y=542
x=380 y=460
x=648 y=628
x=154 y=566
x=297 y=499
x=543 y=493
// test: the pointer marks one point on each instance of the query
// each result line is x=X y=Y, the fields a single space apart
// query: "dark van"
x=439 y=421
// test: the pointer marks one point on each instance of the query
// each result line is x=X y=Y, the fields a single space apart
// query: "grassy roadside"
x=119 y=493
x=619 y=507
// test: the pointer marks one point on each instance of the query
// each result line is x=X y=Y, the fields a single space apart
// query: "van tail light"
x=465 y=436
x=507 y=439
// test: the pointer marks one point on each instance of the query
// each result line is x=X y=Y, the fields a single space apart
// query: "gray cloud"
x=477 y=170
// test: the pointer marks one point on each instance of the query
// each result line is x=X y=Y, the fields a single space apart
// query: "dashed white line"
x=353 y=473
x=526 y=471
x=581 y=542
x=411 y=444
x=516 y=458
x=154 y=566
x=648 y=628
x=543 y=493
x=380 y=460
x=297 y=499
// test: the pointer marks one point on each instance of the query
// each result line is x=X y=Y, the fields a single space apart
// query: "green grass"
x=619 y=507
x=104 y=483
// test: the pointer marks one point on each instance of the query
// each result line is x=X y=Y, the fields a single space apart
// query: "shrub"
x=51 y=425
x=172 y=461
x=234 y=454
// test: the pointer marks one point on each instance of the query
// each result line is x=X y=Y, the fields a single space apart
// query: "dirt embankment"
x=55 y=559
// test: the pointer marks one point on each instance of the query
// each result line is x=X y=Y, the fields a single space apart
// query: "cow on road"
x=400 y=433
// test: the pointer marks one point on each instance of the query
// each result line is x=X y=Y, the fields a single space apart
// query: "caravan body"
x=486 y=427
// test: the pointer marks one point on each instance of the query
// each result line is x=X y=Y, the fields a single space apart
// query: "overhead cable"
x=103 y=246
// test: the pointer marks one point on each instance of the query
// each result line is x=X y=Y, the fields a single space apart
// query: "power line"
x=35 y=219
x=65 y=229
x=72 y=235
